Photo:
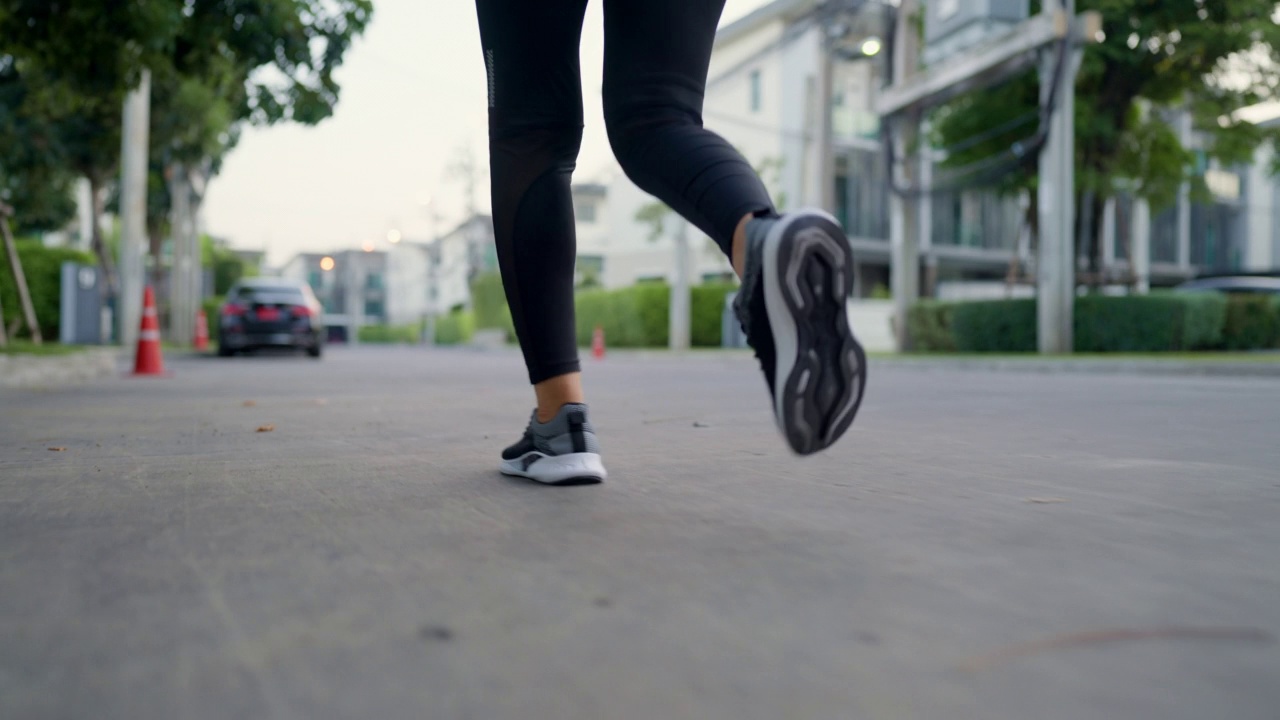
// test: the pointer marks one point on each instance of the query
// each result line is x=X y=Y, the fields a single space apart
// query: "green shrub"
x=1252 y=323
x=455 y=328
x=211 y=307
x=409 y=333
x=42 y=268
x=489 y=304
x=706 y=313
x=631 y=317
x=1007 y=326
x=1160 y=322
x=929 y=326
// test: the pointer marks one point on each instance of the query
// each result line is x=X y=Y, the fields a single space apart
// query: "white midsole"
x=556 y=468
x=785 y=335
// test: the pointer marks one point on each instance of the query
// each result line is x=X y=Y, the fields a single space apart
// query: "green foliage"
x=1004 y=326
x=631 y=317
x=1216 y=57
x=1252 y=323
x=489 y=304
x=211 y=307
x=227 y=266
x=929 y=326
x=42 y=268
x=455 y=328
x=1160 y=322
x=410 y=333
x=706 y=310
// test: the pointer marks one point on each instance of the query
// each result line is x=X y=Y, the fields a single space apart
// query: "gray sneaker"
x=561 y=452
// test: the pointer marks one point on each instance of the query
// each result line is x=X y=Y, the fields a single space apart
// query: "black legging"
x=656 y=54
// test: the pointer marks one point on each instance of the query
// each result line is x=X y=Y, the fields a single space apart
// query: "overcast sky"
x=413 y=99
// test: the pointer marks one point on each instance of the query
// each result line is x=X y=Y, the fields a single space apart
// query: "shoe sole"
x=821 y=367
x=569 y=469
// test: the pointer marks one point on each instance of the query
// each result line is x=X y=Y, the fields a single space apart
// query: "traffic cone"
x=597 y=343
x=148 y=360
x=202 y=331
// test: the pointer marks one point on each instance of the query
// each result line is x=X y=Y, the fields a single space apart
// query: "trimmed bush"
x=706 y=313
x=211 y=307
x=408 y=333
x=631 y=317
x=929 y=326
x=489 y=304
x=1160 y=322
x=42 y=268
x=1007 y=326
x=1252 y=323
x=455 y=328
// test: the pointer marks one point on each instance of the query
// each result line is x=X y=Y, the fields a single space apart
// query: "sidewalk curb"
x=26 y=371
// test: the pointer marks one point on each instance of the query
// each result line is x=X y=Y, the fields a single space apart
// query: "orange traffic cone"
x=202 y=331
x=597 y=343
x=148 y=360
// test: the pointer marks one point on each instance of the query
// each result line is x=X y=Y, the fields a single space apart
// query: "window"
x=373 y=281
x=755 y=91
x=373 y=308
x=585 y=212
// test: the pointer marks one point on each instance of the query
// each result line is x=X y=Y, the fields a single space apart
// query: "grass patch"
x=26 y=347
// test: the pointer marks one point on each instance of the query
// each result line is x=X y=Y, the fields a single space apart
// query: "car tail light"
x=233 y=310
x=302 y=311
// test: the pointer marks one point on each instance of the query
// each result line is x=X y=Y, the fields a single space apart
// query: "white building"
x=432 y=278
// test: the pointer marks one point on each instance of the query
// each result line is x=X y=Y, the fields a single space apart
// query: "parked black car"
x=270 y=312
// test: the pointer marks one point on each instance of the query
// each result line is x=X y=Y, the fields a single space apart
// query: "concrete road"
x=982 y=545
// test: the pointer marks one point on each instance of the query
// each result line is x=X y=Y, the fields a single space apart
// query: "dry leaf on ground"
x=249 y=403
x=57 y=449
x=266 y=428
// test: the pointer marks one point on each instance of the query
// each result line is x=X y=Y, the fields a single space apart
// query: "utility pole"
x=133 y=207
x=179 y=275
x=904 y=218
x=1057 y=252
x=678 y=329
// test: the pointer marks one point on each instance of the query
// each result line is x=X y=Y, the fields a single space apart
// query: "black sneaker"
x=561 y=452
x=793 y=306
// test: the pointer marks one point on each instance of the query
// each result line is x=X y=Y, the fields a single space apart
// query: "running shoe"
x=793 y=306
x=561 y=452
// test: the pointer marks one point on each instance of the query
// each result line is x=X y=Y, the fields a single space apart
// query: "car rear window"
x=271 y=295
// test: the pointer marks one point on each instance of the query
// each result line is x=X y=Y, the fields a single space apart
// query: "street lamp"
x=393 y=236
x=326 y=263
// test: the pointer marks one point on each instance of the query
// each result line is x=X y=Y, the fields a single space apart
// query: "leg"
x=535 y=129
x=655 y=71
x=796 y=271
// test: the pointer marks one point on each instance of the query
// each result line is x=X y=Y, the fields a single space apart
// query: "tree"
x=215 y=65
x=1211 y=58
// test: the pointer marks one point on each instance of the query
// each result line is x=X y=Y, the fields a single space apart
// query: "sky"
x=412 y=104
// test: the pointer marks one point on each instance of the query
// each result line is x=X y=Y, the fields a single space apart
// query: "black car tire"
x=314 y=350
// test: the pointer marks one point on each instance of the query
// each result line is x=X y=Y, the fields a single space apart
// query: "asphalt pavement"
x=280 y=537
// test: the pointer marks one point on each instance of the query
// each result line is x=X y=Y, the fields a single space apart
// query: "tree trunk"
x=110 y=288
x=1097 y=214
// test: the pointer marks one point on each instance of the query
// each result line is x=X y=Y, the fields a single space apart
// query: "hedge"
x=631 y=317
x=1142 y=323
x=929 y=325
x=639 y=316
x=42 y=268
x=995 y=326
x=1160 y=322
x=489 y=304
x=409 y=333
x=707 y=313
x=1252 y=323
x=455 y=328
